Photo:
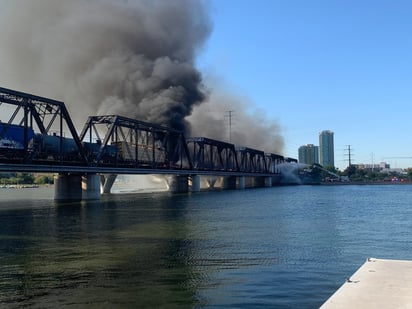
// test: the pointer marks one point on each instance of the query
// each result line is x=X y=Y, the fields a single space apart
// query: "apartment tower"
x=326 y=152
x=309 y=154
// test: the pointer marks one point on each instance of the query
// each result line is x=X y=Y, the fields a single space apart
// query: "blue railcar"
x=51 y=144
x=54 y=146
x=109 y=154
x=12 y=136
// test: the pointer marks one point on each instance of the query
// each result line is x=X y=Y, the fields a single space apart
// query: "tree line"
x=25 y=179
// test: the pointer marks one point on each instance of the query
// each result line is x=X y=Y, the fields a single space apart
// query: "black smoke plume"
x=129 y=57
x=134 y=58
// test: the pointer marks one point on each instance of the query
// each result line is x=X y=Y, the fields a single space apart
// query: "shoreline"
x=366 y=183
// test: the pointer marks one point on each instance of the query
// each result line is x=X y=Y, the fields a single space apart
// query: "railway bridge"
x=38 y=135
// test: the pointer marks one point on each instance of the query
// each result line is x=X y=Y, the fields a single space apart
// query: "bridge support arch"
x=211 y=181
x=107 y=182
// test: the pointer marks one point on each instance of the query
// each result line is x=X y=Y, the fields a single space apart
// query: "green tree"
x=43 y=179
x=25 y=178
x=409 y=173
x=350 y=170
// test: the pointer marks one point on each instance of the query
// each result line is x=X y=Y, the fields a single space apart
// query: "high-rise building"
x=326 y=151
x=309 y=154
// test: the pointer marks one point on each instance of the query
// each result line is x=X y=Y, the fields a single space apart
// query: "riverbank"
x=366 y=183
x=25 y=186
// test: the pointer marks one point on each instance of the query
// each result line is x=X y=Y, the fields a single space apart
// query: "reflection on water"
x=79 y=253
x=286 y=247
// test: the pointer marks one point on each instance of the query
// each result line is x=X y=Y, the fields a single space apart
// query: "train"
x=53 y=148
x=22 y=144
x=45 y=147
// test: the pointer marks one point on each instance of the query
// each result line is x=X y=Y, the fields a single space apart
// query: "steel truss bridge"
x=38 y=135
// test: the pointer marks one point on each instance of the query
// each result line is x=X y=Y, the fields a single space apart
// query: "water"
x=282 y=247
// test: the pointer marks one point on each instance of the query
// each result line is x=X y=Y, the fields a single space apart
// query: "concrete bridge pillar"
x=178 y=183
x=67 y=187
x=229 y=182
x=195 y=179
x=268 y=181
x=90 y=187
x=259 y=181
x=241 y=183
x=107 y=182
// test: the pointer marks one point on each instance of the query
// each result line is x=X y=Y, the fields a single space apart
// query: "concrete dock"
x=377 y=283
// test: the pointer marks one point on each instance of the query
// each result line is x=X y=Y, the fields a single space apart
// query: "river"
x=280 y=247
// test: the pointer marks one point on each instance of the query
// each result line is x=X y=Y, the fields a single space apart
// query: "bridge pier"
x=107 y=182
x=178 y=183
x=241 y=184
x=76 y=187
x=90 y=187
x=259 y=182
x=229 y=182
x=67 y=187
x=195 y=183
x=268 y=181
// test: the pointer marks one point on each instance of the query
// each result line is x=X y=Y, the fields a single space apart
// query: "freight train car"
x=12 y=136
x=146 y=155
x=109 y=155
x=13 y=144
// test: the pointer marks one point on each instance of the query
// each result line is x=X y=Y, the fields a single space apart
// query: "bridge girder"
x=129 y=142
x=273 y=161
x=43 y=116
x=212 y=154
x=251 y=160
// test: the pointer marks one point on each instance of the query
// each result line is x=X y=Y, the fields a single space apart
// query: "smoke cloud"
x=249 y=126
x=132 y=58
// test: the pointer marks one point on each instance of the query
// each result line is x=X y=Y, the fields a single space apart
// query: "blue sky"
x=343 y=66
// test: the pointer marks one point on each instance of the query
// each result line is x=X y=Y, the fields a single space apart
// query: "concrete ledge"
x=376 y=284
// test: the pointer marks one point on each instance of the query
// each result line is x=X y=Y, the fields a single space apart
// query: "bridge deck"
x=377 y=284
x=35 y=168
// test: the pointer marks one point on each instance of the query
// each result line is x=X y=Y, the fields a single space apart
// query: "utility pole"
x=373 y=161
x=229 y=115
x=349 y=150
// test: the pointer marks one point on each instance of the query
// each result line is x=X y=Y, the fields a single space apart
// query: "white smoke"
x=249 y=126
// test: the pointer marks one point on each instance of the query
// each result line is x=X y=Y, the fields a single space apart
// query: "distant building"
x=309 y=154
x=326 y=148
x=374 y=166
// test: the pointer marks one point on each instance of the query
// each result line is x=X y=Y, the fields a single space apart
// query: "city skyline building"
x=309 y=154
x=326 y=148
